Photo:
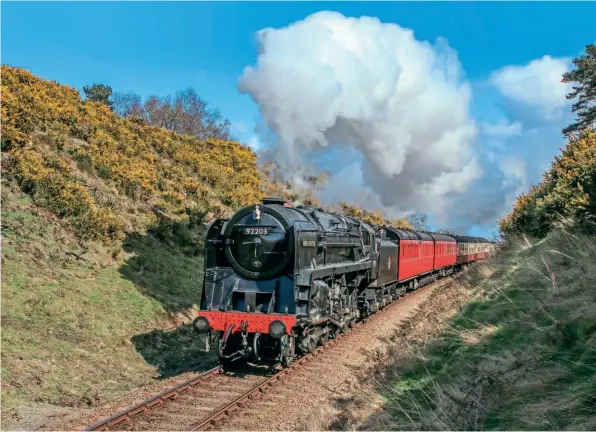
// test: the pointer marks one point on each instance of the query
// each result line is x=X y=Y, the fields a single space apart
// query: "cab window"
x=366 y=238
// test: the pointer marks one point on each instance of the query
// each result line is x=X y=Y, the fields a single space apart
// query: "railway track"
x=205 y=401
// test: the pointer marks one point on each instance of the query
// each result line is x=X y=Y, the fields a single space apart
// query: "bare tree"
x=418 y=221
x=184 y=113
x=128 y=105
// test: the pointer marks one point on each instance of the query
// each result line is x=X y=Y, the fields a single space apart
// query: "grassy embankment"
x=521 y=354
x=102 y=221
x=75 y=331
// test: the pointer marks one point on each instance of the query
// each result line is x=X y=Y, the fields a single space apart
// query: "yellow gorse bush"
x=53 y=141
x=69 y=154
x=567 y=190
x=375 y=217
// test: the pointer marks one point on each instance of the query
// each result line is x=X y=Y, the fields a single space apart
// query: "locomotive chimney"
x=275 y=200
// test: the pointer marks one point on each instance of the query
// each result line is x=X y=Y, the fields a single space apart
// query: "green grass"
x=80 y=332
x=522 y=355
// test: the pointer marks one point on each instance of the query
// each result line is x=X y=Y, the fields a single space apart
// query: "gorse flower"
x=55 y=143
x=568 y=190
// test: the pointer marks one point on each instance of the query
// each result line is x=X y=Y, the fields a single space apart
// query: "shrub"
x=568 y=190
x=147 y=165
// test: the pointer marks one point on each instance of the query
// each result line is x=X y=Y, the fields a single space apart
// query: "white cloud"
x=515 y=173
x=536 y=85
x=519 y=147
x=330 y=81
x=388 y=115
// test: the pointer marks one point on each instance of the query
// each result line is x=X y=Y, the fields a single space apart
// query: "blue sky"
x=158 y=48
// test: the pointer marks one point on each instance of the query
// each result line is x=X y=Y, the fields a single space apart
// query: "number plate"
x=256 y=231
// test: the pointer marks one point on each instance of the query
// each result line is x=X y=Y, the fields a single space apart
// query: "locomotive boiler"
x=282 y=279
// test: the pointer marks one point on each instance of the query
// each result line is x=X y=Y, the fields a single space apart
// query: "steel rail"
x=257 y=392
x=143 y=407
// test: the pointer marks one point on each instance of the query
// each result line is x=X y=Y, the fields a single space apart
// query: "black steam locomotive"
x=280 y=280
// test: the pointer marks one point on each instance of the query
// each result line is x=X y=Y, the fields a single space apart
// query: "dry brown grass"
x=512 y=345
x=360 y=399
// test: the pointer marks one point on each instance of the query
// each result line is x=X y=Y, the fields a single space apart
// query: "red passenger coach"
x=445 y=251
x=416 y=252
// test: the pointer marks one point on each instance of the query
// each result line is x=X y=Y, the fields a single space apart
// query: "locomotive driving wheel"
x=324 y=338
x=288 y=351
x=309 y=344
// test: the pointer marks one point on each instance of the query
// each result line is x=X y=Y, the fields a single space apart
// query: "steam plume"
x=330 y=81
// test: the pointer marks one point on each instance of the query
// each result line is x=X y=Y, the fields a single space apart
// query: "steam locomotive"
x=281 y=280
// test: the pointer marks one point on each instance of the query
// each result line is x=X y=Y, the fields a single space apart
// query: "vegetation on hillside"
x=102 y=240
x=568 y=190
x=185 y=113
x=107 y=175
x=99 y=93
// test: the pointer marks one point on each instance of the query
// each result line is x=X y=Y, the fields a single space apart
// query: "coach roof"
x=404 y=234
x=465 y=239
x=442 y=237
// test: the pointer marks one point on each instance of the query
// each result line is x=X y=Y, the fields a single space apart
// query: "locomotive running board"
x=307 y=276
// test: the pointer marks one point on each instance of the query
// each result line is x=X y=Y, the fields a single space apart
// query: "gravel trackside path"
x=311 y=394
